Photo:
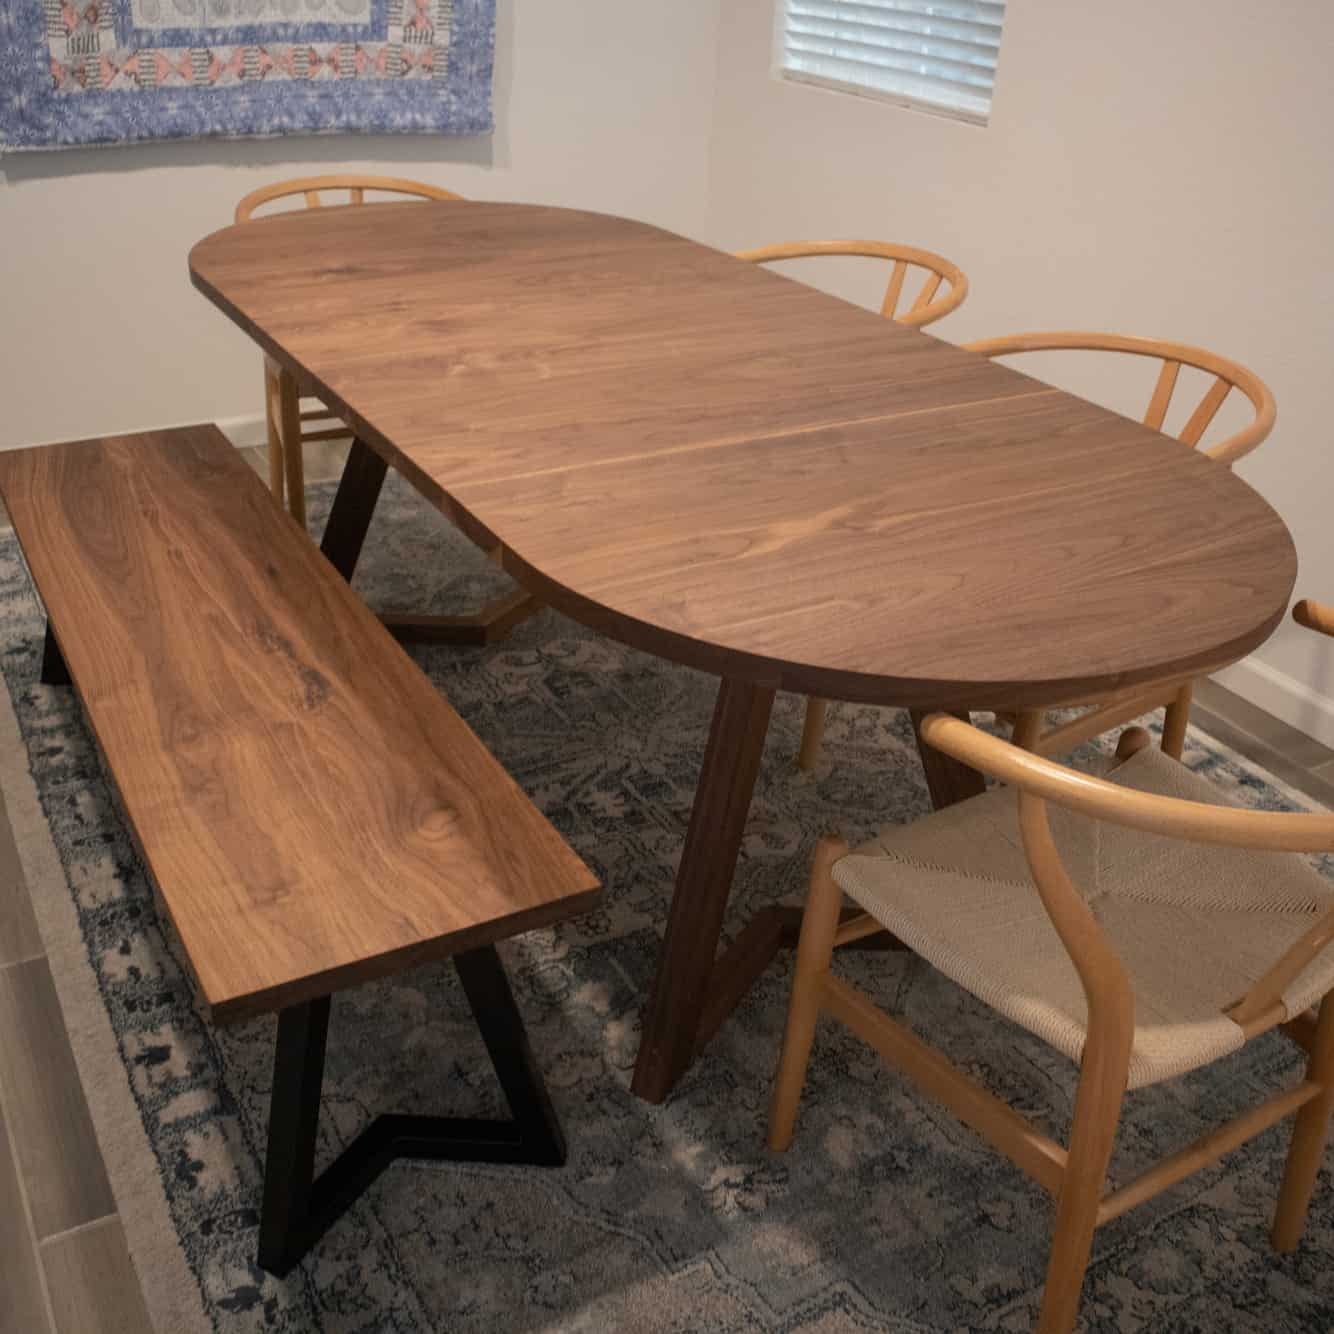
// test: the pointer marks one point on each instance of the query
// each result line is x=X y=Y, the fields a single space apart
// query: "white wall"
x=1150 y=168
x=599 y=104
x=1164 y=170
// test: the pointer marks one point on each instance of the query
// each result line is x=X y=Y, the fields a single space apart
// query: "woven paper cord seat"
x=1195 y=925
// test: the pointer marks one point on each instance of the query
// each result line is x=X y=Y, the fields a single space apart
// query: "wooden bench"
x=313 y=814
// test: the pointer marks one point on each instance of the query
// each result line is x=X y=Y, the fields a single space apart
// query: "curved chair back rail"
x=926 y=308
x=313 y=187
x=1280 y=831
x=1228 y=375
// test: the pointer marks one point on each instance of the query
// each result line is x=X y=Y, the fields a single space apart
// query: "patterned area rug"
x=115 y=71
x=886 y=1214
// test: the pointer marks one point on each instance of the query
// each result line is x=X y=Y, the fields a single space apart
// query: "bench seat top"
x=313 y=813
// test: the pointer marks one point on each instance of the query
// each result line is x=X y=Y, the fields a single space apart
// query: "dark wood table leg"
x=671 y=1023
x=345 y=534
x=947 y=779
x=487 y=626
x=354 y=504
x=770 y=931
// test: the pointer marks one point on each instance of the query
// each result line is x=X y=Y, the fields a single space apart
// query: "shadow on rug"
x=886 y=1214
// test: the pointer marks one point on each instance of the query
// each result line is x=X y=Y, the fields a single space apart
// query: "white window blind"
x=938 y=54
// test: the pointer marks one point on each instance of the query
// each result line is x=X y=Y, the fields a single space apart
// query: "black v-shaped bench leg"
x=300 y=1207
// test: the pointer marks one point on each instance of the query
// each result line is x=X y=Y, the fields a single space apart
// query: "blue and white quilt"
x=78 y=72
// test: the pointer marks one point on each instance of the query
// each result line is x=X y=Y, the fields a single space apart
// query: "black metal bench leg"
x=498 y=1017
x=294 y=1116
x=299 y=1207
x=54 y=671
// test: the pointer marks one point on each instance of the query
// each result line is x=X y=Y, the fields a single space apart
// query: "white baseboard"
x=1284 y=696
x=245 y=432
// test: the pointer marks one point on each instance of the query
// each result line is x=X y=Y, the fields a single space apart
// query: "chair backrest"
x=313 y=187
x=1041 y=780
x=926 y=307
x=1228 y=375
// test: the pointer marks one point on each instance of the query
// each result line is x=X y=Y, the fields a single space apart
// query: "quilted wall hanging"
x=75 y=72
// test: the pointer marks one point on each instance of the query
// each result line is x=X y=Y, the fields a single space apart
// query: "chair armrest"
x=1315 y=616
x=1193 y=820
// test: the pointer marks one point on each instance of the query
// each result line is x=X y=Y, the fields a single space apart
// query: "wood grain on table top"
x=313 y=812
x=720 y=464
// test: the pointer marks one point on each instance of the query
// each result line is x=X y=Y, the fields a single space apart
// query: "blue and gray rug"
x=886 y=1214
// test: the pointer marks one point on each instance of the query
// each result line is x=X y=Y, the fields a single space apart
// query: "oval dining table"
x=719 y=465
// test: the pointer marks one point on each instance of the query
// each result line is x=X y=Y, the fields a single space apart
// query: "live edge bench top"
x=313 y=812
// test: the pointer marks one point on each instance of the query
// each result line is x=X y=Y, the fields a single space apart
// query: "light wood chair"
x=1228 y=375
x=294 y=419
x=1175 y=697
x=927 y=307
x=1205 y=936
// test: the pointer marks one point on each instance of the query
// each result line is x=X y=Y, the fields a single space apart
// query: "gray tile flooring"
x=66 y=1269
x=62 y=1249
x=23 y=1291
x=93 y=1285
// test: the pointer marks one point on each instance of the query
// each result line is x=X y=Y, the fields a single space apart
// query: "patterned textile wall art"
x=78 y=72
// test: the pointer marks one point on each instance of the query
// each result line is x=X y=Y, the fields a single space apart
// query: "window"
x=936 y=54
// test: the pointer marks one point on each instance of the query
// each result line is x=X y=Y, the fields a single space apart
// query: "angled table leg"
x=947 y=779
x=300 y=1207
x=671 y=1022
x=345 y=534
x=694 y=990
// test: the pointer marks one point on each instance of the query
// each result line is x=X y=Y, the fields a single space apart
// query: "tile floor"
x=62 y=1247
x=66 y=1269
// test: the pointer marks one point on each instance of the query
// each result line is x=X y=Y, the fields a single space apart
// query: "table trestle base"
x=487 y=626
x=759 y=942
x=345 y=534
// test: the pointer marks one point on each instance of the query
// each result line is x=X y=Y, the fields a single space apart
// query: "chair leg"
x=1175 y=721
x=1026 y=729
x=273 y=428
x=1102 y=1083
x=1308 y=1138
x=815 y=948
x=812 y=733
x=289 y=399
